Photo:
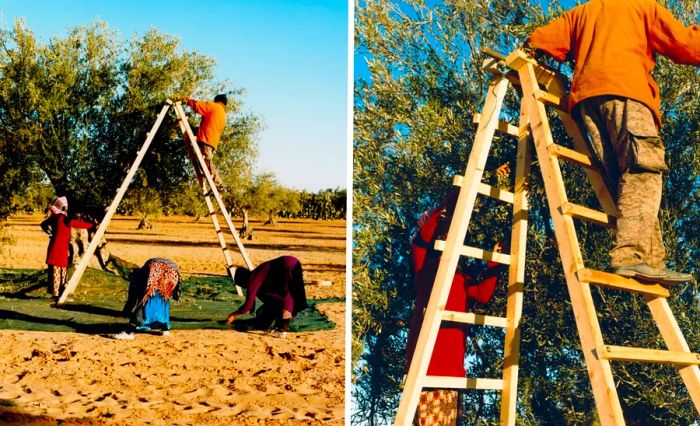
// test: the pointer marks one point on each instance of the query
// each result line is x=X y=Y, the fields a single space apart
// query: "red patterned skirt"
x=437 y=407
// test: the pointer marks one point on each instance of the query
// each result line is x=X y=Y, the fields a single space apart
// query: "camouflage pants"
x=208 y=154
x=623 y=135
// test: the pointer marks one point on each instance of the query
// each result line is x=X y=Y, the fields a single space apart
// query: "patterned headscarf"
x=60 y=206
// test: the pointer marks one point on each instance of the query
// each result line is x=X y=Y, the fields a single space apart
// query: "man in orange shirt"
x=210 y=129
x=613 y=44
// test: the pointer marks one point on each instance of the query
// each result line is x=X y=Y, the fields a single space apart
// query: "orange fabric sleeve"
x=200 y=107
x=554 y=38
x=674 y=40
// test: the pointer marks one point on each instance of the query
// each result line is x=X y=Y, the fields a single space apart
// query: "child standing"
x=58 y=226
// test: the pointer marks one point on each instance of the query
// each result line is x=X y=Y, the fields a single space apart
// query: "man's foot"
x=673 y=277
x=641 y=271
x=166 y=333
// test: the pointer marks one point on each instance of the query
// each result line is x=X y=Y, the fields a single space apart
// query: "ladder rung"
x=618 y=282
x=503 y=126
x=570 y=155
x=488 y=190
x=477 y=253
x=584 y=213
x=471 y=318
x=446 y=382
x=552 y=100
x=656 y=356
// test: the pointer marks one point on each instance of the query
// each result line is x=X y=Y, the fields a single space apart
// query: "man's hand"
x=231 y=318
x=503 y=171
x=498 y=247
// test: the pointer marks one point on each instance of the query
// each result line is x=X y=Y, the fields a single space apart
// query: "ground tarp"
x=99 y=298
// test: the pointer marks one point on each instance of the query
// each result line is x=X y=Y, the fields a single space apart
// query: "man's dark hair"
x=221 y=98
x=241 y=277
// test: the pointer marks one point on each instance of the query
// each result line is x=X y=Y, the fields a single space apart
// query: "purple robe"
x=276 y=282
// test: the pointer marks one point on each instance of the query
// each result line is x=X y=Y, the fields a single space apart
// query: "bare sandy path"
x=199 y=377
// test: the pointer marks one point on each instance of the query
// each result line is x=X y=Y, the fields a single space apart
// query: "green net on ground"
x=98 y=301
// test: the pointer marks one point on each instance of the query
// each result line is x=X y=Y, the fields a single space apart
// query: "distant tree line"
x=269 y=200
x=325 y=204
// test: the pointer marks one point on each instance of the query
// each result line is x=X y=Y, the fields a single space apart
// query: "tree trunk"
x=103 y=257
x=246 y=229
x=145 y=224
x=271 y=220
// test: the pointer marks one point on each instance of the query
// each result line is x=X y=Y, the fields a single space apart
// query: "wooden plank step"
x=552 y=100
x=503 y=126
x=655 y=356
x=477 y=253
x=446 y=382
x=488 y=190
x=571 y=156
x=471 y=318
x=618 y=282
x=590 y=215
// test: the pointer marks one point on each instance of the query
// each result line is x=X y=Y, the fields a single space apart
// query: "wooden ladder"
x=205 y=181
x=540 y=87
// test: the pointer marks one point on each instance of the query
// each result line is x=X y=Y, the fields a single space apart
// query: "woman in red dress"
x=58 y=226
x=439 y=407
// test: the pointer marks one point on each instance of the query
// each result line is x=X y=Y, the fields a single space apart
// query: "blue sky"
x=360 y=64
x=290 y=56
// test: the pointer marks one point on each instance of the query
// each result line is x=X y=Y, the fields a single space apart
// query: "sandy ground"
x=206 y=377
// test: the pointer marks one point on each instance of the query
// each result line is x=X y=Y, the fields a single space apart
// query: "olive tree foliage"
x=18 y=95
x=413 y=132
x=80 y=107
x=261 y=195
x=285 y=202
x=324 y=204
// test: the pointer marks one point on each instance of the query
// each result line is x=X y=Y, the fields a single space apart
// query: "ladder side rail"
x=210 y=208
x=554 y=83
x=450 y=257
x=516 y=274
x=181 y=114
x=97 y=238
x=599 y=371
x=600 y=188
x=675 y=341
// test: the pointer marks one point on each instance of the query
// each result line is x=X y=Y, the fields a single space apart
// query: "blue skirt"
x=156 y=312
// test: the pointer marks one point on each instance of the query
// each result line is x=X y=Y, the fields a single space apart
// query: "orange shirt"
x=613 y=43
x=213 y=120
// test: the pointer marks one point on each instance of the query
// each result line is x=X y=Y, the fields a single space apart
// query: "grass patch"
x=7 y=403
x=99 y=298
